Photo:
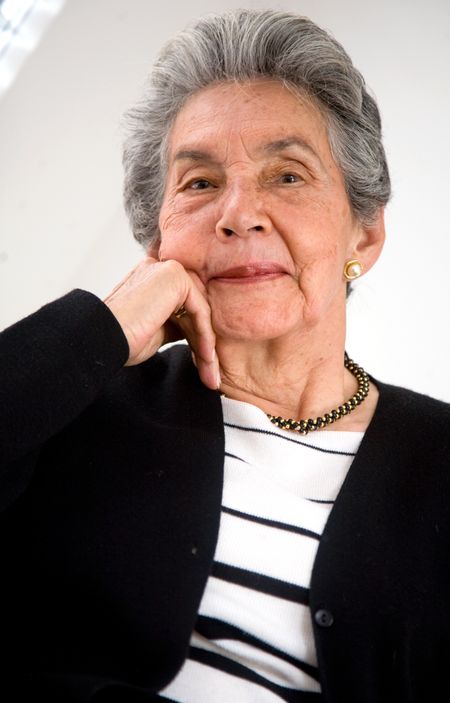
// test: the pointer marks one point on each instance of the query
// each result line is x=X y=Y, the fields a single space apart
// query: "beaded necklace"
x=303 y=427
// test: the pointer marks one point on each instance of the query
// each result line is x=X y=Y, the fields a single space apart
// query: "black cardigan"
x=110 y=489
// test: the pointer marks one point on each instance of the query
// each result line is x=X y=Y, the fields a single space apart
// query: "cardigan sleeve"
x=52 y=366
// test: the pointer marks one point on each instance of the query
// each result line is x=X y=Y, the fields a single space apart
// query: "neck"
x=295 y=376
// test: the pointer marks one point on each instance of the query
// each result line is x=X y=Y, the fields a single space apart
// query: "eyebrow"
x=286 y=143
x=269 y=148
x=193 y=155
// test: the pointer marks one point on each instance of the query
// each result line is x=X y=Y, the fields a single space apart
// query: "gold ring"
x=181 y=312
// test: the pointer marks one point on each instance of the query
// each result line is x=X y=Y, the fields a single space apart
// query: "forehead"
x=249 y=114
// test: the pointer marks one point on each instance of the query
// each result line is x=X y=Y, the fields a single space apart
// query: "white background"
x=61 y=218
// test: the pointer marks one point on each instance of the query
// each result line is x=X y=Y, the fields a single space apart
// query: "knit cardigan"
x=110 y=489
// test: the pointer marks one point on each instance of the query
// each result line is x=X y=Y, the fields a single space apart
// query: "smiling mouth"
x=250 y=273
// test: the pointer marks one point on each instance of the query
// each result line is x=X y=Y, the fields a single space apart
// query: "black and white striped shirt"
x=253 y=640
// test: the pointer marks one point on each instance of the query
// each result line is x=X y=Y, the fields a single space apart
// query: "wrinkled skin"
x=257 y=216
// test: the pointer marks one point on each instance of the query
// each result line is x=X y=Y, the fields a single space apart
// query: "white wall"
x=61 y=219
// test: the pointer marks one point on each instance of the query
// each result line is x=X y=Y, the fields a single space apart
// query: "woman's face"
x=256 y=205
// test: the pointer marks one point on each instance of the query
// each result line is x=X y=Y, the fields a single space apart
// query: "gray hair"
x=243 y=45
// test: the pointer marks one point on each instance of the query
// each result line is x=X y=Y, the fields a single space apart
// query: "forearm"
x=53 y=364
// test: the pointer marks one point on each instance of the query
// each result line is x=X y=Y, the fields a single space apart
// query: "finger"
x=196 y=325
x=193 y=316
x=208 y=368
x=203 y=324
x=143 y=302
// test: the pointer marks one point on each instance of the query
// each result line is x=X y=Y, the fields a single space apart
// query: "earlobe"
x=370 y=243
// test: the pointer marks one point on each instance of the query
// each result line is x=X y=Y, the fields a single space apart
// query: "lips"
x=257 y=271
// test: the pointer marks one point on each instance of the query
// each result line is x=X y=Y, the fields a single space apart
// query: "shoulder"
x=412 y=404
x=410 y=417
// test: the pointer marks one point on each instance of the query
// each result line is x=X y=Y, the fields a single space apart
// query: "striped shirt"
x=253 y=639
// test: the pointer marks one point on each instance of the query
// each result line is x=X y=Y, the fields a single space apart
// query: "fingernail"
x=218 y=380
x=193 y=360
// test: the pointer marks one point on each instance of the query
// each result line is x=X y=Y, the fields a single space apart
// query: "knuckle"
x=173 y=266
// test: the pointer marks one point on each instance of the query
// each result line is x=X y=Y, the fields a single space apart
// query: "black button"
x=324 y=618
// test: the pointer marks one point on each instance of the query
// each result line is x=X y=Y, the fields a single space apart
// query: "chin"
x=252 y=325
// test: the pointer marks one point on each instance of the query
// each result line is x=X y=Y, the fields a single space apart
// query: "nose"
x=242 y=214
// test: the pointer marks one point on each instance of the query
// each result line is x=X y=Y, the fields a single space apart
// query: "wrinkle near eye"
x=172 y=221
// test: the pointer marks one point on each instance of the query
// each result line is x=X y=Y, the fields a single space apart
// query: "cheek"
x=184 y=236
x=314 y=246
x=321 y=234
x=321 y=283
x=318 y=250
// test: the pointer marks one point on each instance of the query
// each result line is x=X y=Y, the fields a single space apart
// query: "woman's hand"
x=144 y=304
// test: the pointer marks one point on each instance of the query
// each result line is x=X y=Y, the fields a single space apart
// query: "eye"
x=199 y=184
x=290 y=178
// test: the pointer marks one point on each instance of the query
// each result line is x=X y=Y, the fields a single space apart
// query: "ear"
x=369 y=241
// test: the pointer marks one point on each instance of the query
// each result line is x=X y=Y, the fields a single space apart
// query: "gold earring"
x=352 y=269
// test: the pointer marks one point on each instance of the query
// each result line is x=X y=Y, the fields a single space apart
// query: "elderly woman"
x=250 y=517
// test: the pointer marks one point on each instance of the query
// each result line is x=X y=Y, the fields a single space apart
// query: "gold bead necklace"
x=310 y=425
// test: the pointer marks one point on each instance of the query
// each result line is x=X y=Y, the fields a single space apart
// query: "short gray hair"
x=239 y=46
